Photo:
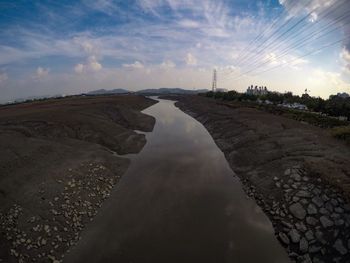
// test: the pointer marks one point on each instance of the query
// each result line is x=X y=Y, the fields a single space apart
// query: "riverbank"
x=297 y=173
x=58 y=165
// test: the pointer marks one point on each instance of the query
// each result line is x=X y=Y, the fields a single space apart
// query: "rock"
x=300 y=226
x=338 y=245
x=311 y=209
x=303 y=193
x=317 y=201
x=339 y=222
x=329 y=206
x=305 y=259
x=294 y=235
x=311 y=221
x=314 y=249
x=319 y=236
x=324 y=211
x=297 y=210
x=295 y=199
x=339 y=210
x=284 y=238
x=287 y=225
x=303 y=245
x=326 y=222
x=303 y=201
x=295 y=177
x=309 y=235
x=347 y=207
x=305 y=179
x=334 y=202
x=287 y=172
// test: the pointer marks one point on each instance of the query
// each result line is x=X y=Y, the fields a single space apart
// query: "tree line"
x=334 y=106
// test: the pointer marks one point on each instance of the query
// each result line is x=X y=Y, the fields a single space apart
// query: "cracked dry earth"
x=297 y=173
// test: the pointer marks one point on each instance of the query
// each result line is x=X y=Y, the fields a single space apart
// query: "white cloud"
x=322 y=83
x=92 y=65
x=168 y=64
x=42 y=72
x=187 y=23
x=190 y=60
x=135 y=65
x=3 y=77
x=345 y=57
x=79 y=68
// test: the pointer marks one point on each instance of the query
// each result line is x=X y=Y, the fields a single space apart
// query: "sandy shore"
x=57 y=165
x=297 y=173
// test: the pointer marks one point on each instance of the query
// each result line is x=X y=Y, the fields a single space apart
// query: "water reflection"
x=179 y=202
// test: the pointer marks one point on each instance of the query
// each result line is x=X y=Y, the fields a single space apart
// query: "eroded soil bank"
x=57 y=165
x=297 y=173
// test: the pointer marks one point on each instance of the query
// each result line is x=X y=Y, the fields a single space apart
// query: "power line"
x=262 y=45
x=300 y=57
x=256 y=58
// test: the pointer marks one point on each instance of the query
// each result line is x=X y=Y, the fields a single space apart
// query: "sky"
x=52 y=47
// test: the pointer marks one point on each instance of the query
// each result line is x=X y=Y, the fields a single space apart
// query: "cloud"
x=345 y=57
x=3 y=77
x=42 y=72
x=79 y=68
x=168 y=64
x=135 y=65
x=321 y=82
x=187 y=23
x=322 y=10
x=92 y=65
x=190 y=60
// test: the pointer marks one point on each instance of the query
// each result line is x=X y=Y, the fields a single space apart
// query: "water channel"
x=179 y=202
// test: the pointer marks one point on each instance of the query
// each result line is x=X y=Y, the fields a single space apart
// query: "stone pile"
x=47 y=236
x=311 y=219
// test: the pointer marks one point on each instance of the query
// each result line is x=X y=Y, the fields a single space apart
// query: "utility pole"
x=214 y=86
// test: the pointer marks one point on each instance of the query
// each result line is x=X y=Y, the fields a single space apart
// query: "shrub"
x=342 y=132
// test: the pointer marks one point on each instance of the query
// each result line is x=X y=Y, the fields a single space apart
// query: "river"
x=178 y=202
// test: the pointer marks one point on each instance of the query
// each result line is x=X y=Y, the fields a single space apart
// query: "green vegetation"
x=322 y=113
x=334 y=106
x=342 y=132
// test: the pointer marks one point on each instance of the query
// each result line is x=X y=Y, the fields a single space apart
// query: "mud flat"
x=58 y=163
x=297 y=173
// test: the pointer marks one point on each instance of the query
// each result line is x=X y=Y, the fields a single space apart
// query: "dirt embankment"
x=297 y=173
x=57 y=166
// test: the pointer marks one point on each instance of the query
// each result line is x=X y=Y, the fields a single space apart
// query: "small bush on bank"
x=342 y=133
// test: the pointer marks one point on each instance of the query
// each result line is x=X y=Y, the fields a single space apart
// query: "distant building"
x=258 y=91
x=343 y=95
x=294 y=105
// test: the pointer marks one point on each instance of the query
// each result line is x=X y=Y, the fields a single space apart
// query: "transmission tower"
x=214 y=86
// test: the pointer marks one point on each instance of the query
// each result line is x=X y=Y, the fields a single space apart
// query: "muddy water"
x=179 y=202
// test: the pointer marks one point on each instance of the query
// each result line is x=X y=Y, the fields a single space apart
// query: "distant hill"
x=160 y=91
x=169 y=91
x=104 y=92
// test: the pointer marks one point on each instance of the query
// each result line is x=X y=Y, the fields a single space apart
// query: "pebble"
x=317 y=201
x=294 y=235
x=326 y=222
x=303 y=245
x=311 y=209
x=311 y=221
x=297 y=210
x=338 y=245
x=303 y=193
x=309 y=235
x=284 y=238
